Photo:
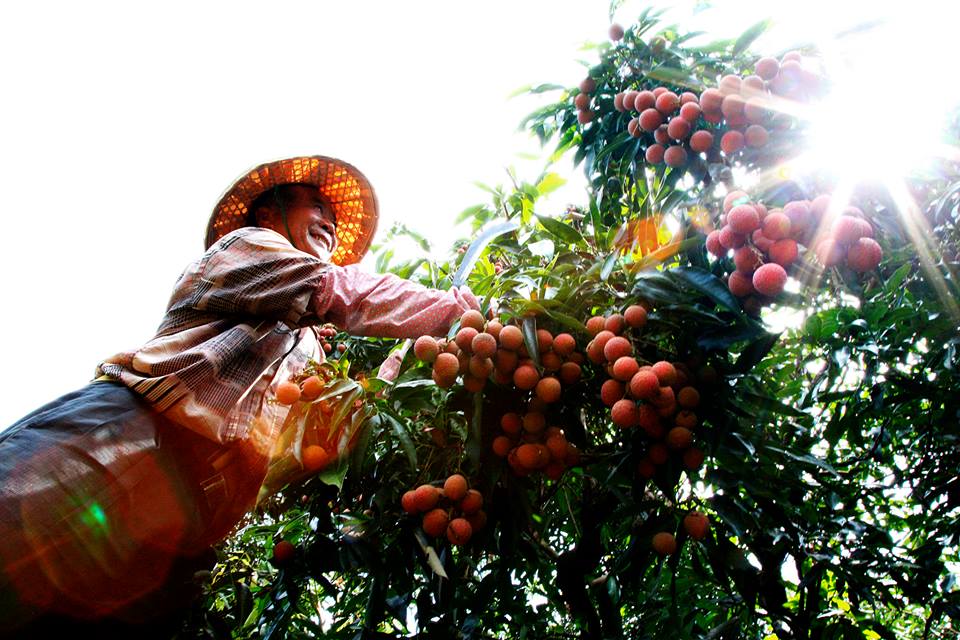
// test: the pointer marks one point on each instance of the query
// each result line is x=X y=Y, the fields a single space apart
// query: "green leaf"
x=562 y=231
x=549 y=183
x=529 y=328
x=748 y=36
x=894 y=282
x=673 y=75
x=608 y=264
x=707 y=284
x=404 y=437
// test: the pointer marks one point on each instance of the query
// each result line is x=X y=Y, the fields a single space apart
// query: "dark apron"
x=101 y=501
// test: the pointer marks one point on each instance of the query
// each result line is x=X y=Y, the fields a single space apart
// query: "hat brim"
x=342 y=185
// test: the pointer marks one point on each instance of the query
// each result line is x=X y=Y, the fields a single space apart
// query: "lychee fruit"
x=864 y=255
x=624 y=413
x=435 y=522
x=769 y=279
x=664 y=543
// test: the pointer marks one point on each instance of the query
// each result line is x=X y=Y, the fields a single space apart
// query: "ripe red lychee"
x=713 y=244
x=471 y=502
x=595 y=325
x=661 y=136
x=767 y=68
x=732 y=106
x=502 y=446
x=484 y=345
x=408 y=503
x=645 y=385
x=582 y=101
x=464 y=338
x=747 y=259
x=688 y=398
x=665 y=372
x=776 y=226
x=618 y=102
x=799 y=213
x=426 y=497
x=616 y=32
x=588 y=85
x=505 y=361
x=755 y=136
x=473 y=319
x=730 y=84
x=664 y=543
x=731 y=142
x=548 y=389
x=617 y=347
x=459 y=531
x=426 y=349
x=846 y=229
x=864 y=255
x=480 y=367
x=510 y=423
x=711 y=100
x=511 y=337
x=611 y=391
x=533 y=456
x=696 y=525
x=675 y=156
x=668 y=102
x=735 y=198
x=455 y=487
x=654 y=154
x=690 y=111
x=283 y=553
x=628 y=99
x=625 y=367
x=760 y=241
x=650 y=119
x=435 y=522
x=784 y=252
x=755 y=110
x=635 y=315
x=769 y=279
x=525 y=377
x=624 y=413
x=446 y=367
x=564 y=344
x=534 y=422
x=743 y=218
x=829 y=252
x=679 y=438
x=701 y=141
x=569 y=372
x=686 y=419
x=644 y=100
x=740 y=284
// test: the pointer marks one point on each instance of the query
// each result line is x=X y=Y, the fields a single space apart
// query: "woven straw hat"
x=342 y=185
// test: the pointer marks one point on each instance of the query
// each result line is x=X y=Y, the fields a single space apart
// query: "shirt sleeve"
x=256 y=272
x=386 y=305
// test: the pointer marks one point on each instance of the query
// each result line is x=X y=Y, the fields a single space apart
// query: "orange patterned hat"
x=342 y=185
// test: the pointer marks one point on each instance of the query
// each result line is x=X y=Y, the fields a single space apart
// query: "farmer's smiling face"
x=311 y=221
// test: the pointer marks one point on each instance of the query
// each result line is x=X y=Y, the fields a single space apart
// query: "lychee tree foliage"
x=787 y=485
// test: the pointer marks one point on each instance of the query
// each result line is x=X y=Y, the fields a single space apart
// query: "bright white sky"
x=123 y=122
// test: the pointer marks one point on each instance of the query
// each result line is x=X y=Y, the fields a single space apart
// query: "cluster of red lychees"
x=483 y=350
x=530 y=446
x=455 y=510
x=766 y=243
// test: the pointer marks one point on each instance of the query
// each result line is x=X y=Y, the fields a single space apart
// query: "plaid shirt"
x=241 y=320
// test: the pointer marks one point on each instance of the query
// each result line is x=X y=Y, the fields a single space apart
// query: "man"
x=107 y=491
